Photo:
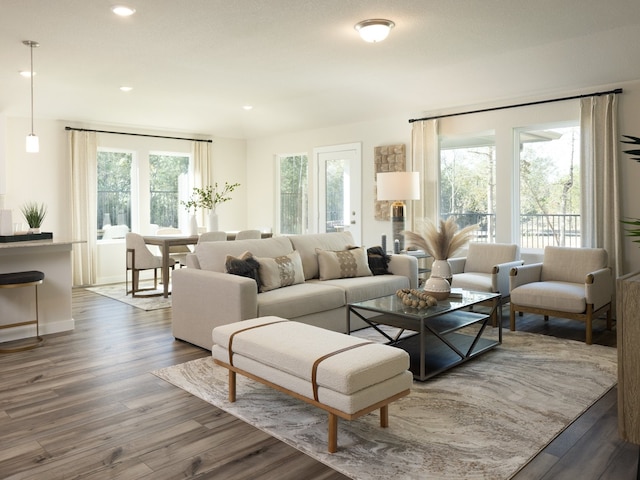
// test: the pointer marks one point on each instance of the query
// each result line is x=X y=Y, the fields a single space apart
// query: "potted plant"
x=208 y=198
x=34 y=214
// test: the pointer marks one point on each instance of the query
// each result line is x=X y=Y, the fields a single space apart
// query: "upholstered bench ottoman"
x=344 y=375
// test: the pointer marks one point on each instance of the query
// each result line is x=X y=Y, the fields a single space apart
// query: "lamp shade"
x=398 y=186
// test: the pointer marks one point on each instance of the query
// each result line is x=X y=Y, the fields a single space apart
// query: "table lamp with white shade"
x=398 y=187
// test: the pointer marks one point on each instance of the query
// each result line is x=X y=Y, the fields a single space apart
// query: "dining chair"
x=213 y=237
x=248 y=234
x=139 y=258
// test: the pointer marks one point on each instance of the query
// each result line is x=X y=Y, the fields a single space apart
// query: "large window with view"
x=549 y=168
x=293 y=194
x=167 y=174
x=114 y=189
x=467 y=182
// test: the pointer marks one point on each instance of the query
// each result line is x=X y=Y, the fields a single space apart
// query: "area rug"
x=482 y=420
x=117 y=291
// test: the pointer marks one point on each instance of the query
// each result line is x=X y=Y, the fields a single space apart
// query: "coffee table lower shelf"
x=439 y=357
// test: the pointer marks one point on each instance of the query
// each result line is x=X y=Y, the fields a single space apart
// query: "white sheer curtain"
x=425 y=159
x=83 y=157
x=201 y=152
x=600 y=208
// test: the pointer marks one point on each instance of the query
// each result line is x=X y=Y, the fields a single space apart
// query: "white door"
x=339 y=189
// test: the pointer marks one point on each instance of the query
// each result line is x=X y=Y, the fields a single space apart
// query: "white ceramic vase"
x=438 y=284
x=193 y=225
x=212 y=221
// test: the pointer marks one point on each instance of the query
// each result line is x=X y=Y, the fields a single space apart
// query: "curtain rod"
x=539 y=102
x=137 y=134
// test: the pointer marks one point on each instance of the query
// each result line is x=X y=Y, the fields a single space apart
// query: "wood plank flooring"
x=85 y=406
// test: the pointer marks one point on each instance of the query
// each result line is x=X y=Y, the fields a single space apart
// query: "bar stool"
x=17 y=280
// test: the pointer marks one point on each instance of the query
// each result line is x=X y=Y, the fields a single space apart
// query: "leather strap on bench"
x=314 y=371
x=244 y=330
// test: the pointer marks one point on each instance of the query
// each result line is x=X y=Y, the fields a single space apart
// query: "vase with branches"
x=208 y=198
x=440 y=242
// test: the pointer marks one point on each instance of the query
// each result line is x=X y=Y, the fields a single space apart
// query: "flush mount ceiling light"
x=33 y=144
x=374 y=30
x=123 y=10
x=125 y=88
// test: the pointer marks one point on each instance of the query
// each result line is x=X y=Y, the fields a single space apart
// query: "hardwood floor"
x=85 y=406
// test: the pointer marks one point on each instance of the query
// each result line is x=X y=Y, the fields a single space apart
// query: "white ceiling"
x=194 y=64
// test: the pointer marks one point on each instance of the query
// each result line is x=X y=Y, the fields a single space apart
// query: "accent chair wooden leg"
x=232 y=386
x=333 y=433
x=512 y=318
x=589 y=333
x=384 y=416
x=609 y=320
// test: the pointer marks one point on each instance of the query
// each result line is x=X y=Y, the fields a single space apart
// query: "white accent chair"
x=213 y=237
x=486 y=269
x=573 y=283
x=177 y=252
x=139 y=258
x=248 y=234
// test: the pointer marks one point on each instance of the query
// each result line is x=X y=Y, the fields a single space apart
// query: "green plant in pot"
x=34 y=214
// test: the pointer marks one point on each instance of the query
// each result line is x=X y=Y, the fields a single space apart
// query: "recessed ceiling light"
x=123 y=10
x=27 y=74
x=374 y=30
x=126 y=89
x=248 y=107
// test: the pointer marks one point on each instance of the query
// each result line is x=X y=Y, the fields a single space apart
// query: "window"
x=292 y=194
x=165 y=174
x=467 y=182
x=549 y=186
x=140 y=191
x=114 y=188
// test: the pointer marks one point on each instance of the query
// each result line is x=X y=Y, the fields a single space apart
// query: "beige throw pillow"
x=343 y=263
x=280 y=271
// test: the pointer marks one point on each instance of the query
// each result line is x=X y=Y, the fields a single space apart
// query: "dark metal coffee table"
x=446 y=335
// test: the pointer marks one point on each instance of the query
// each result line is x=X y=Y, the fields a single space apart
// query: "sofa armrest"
x=500 y=276
x=598 y=287
x=405 y=265
x=524 y=274
x=202 y=300
x=457 y=264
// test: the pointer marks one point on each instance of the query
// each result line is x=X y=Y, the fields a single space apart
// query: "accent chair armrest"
x=598 y=287
x=500 y=276
x=405 y=265
x=457 y=264
x=524 y=274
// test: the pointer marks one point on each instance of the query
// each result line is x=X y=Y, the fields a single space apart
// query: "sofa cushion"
x=245 y=266
x=307 y=244
x=343 y=263
x=281 y=271
x=359 y=289
x=299 y=300
x=212 y=255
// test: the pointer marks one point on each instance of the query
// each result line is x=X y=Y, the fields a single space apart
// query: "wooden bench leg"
x=333 y=433
x=232 y=386
x=384 y=416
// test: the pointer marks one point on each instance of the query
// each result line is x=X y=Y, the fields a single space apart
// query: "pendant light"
x=33 y=144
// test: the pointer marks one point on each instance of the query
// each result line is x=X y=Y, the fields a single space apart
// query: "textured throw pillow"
x=378 y=261
x=280 y=271
x=245 y=266
x=343 y=264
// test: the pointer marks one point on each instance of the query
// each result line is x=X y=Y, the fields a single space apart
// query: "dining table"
x=165 y=242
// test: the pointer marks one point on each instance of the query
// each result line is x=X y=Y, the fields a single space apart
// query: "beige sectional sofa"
x=204 y=295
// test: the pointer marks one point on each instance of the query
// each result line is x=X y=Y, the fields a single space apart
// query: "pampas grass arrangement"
x=440 y=243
